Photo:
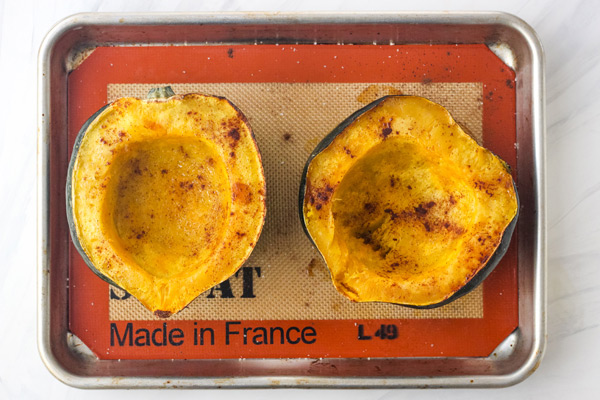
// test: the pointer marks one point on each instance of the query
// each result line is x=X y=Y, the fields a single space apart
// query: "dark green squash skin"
x=484 y=272
x=69 y=198
x=155 y=93
x=322 y=146
x=474 y=281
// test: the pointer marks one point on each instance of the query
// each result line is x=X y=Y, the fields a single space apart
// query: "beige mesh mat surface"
x=285 y=277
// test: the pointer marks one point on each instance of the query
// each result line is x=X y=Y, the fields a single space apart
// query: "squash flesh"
x=404 y=206
x=188 y=175
x=168 y=196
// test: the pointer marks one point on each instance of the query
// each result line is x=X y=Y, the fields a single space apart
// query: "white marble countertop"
x=570 y=34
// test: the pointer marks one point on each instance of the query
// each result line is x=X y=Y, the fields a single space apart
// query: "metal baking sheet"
x=70 y=41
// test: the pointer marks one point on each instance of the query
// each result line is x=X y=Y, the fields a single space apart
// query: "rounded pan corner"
x=524 y=30
x=54 y=365
x=531 y=364
x=528 y=356
x=58 y=31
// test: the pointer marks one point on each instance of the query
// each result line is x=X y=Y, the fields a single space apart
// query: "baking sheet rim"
x=538 y=135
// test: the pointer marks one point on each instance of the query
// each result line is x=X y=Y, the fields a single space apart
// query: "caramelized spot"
x=322 y=196
x=234 y=134
x=185 y=154
x=186 y=185
x=319 y=196
x=391 y=212
x=162 y=314
x=370 y=207
x=421 y=210
x=386 y=132
x=364 y=236
x=242 y=192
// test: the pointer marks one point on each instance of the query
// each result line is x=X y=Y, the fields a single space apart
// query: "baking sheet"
x=385 y=368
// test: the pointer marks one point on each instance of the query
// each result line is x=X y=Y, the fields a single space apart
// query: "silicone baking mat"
x=282 y=303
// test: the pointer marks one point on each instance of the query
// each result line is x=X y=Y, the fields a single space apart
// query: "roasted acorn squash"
x=405 y=207
x=166 y=196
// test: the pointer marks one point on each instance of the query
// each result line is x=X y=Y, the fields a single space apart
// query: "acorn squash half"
x=166 y=196
x=405 y=207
